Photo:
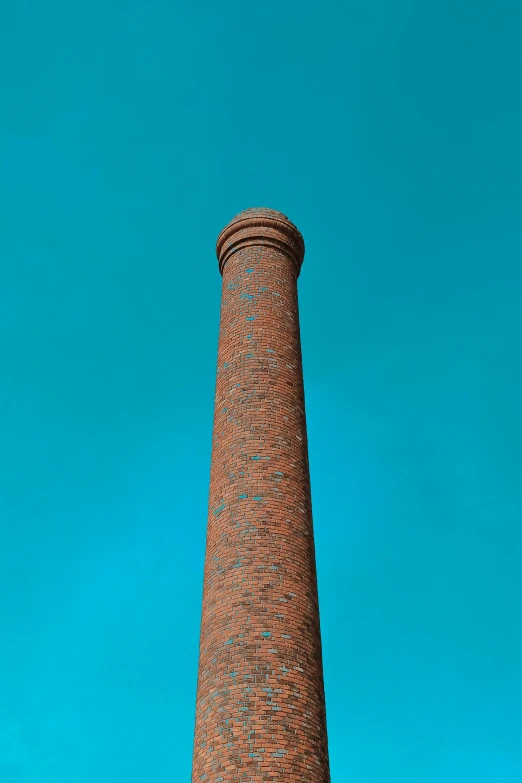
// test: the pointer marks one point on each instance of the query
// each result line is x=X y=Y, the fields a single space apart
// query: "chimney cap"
x=267 y=226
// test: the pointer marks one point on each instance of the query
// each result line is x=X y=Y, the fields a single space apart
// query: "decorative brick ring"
x=260 y=226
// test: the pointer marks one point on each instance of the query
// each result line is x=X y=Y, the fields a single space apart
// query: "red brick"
x=260 y=713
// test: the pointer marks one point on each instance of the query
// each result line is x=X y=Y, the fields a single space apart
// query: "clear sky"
x=131 y=131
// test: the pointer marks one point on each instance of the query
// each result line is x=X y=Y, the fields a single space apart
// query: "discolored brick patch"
x=260 y=713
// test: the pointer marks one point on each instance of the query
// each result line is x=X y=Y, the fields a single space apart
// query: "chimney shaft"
x=260 y=711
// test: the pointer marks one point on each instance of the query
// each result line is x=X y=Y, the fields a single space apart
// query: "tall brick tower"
x=260 y=713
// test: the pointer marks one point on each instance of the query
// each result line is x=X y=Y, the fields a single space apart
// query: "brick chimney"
x=260 y=713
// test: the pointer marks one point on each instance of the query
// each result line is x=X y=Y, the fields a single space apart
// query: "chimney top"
x=263 y=226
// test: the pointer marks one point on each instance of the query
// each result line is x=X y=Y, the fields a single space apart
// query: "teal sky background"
x=390 y=133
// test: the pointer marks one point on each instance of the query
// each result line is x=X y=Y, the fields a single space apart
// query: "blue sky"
x=389 y=132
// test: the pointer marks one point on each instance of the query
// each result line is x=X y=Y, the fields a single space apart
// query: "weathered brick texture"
x=260 y=712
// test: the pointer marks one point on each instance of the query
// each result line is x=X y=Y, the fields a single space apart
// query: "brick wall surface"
x=260 y=713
